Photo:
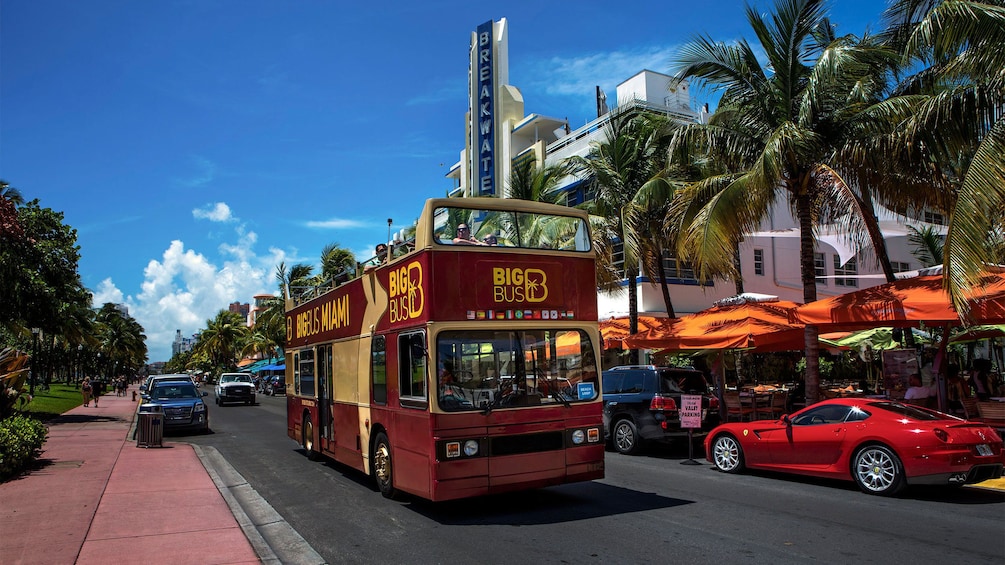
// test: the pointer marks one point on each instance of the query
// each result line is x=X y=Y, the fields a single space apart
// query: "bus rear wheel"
x=382 y=469
x=307 y=438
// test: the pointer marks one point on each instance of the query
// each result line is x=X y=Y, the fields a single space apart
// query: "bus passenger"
x=450 y=393
x=491 y=239
x=464 y=236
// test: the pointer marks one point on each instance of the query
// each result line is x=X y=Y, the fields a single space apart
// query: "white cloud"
x=204 y=175
x=336 y=223
x=578 y=76
x=184 y=288
x=106 y=292
x=218 y=212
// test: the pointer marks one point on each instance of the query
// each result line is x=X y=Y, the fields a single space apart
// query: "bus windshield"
x=526 y=230
x=485 y=370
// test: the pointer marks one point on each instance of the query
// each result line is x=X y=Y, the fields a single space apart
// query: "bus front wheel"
x=382 y=469
x=307 y=438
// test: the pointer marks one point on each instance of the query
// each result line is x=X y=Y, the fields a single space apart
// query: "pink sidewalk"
x=97 y=498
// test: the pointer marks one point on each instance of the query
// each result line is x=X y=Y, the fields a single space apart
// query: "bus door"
x=326 y=430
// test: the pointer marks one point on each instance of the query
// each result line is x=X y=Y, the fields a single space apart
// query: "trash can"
x=150 y=427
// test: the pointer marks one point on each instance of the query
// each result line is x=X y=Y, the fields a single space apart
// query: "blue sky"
x=195 y=144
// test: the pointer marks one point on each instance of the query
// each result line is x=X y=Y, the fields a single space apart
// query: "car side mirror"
x=143 y=388
x=204 y=393
x=786 y=419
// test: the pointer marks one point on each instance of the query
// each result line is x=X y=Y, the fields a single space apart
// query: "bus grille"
x=530 y=443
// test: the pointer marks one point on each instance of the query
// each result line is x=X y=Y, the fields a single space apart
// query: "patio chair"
x=777 y=406
x=735 y=408
x=970 y=408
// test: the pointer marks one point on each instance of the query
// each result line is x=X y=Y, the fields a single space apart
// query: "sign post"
x=690 y=418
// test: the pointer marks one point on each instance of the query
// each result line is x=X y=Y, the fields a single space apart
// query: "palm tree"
x=11 y=194
x=223 y=339
x=335 y=261
x=539 y=184
x=776 y=134
x=960 y=128
x=617 y=167
x=122 y=342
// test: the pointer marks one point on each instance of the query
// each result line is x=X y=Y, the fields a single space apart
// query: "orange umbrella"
x=763 y=326
x=615 y=330
x=904 y=303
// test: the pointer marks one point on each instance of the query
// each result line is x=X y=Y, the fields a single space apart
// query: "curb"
x=272 y=538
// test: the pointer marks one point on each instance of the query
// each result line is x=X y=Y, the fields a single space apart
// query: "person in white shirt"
x=915 y=391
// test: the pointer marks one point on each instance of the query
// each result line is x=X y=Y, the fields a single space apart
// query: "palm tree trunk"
x=631 y=273
x=739 y=271
x=804 y=209
x=661 y=269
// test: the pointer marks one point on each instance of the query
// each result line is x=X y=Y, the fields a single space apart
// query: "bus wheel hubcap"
x=382 y=463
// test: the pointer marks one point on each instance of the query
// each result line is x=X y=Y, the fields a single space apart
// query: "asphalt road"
x=649 y=509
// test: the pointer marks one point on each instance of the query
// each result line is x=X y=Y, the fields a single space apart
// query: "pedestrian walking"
x=96 y=389
x=85 y=390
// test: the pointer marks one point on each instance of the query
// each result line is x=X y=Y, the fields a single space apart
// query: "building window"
x=759 y=262
x=935 y=218
x=677 y=269
x=618 y=257
x=820 y=266
x=900 y=266
x=844 y=275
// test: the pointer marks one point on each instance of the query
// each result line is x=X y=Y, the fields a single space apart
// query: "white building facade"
x=500 y=135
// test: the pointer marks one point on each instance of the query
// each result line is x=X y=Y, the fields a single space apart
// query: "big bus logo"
x=513 y=284
x=404 y=285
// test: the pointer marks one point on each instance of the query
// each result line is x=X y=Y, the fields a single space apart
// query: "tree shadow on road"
x=554 y=505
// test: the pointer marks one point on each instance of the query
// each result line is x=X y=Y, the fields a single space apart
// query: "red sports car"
x=882 y=445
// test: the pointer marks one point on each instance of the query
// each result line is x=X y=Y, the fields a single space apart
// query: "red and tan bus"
x=455 y=367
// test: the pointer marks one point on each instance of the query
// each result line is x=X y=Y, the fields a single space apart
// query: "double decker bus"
x=455 y=368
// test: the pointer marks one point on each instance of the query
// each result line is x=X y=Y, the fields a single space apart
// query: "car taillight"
x=713 y=403
x=942 y=435
x=660 y=403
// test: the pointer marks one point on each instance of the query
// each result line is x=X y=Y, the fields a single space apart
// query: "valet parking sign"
x=690 y=411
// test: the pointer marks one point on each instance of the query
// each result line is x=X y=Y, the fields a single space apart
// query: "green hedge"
x=21 y=440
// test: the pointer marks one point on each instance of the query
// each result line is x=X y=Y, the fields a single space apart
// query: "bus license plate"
x=983 y=449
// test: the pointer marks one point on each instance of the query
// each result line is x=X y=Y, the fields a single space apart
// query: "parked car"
x=275 y=384
x=152 y=379
x=235 y=387
x=882 y=445
x=642 y=404
x=182 y=405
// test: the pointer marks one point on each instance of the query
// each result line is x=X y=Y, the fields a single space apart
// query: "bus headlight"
x=471 y=448
x=578 y=437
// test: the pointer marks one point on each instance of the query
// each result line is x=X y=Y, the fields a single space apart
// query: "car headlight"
x=471 y=448
x=199 y=407
x=578 y=437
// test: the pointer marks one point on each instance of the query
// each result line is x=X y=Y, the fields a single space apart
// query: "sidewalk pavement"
x=97 y=498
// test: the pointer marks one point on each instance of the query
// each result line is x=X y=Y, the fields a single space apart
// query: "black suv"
x=642 y=402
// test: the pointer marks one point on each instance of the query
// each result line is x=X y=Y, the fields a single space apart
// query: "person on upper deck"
x=464 y=236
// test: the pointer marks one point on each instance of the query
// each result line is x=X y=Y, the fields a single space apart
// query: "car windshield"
x=908 y=411
x=235 y=379
x=487 y=370
x=173 y=391
x=464 y=226
x=683 y=381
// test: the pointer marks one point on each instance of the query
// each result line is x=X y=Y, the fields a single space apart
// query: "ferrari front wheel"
x=727 y=454
x=878 y=470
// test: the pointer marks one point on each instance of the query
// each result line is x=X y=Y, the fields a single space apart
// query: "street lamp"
x=34 y=353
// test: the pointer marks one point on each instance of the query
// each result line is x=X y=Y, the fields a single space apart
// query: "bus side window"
x=378 y=369
x=412 y=369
